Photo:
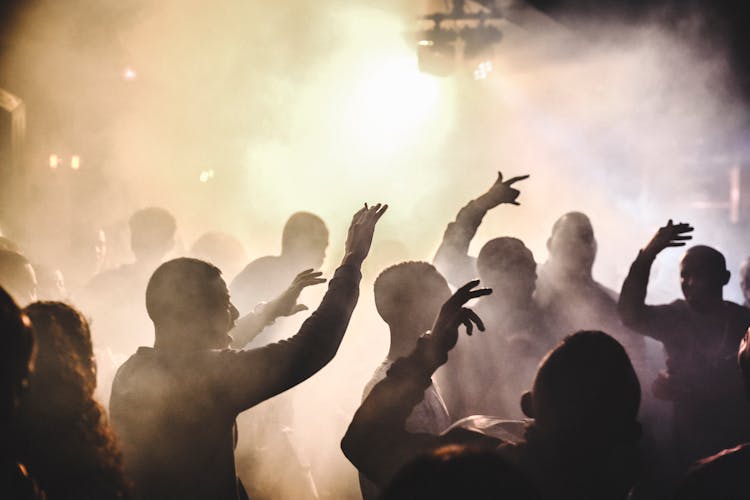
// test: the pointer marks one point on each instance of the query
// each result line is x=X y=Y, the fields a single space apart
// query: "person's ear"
x=527 y=404
x=727 y=275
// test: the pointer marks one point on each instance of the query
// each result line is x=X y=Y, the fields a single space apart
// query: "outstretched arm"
x=452 y=258
x=255 y=375
x=249 y=326
x=632 y=304
x=376 y=441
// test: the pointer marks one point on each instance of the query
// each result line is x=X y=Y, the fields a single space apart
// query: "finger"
x=514 y=203
x=479 y=292
x=682 y=237
x=475 y=318
x=380 y=212
x=312 y=282
x=669 y=223
x=513 y=180
x=675 y=244
x=298 y=308
x=469 y=327
x=358 y=214
x=306 y=271
x=499 y=177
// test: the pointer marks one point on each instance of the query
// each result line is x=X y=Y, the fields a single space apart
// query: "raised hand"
x=359 y=238
x=453 y=314
x=671 y=235
x=502 y=191
x=286 y=303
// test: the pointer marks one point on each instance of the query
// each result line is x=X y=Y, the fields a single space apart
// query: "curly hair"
x=65 y=438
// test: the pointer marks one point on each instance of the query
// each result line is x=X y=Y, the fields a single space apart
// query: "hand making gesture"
x=671 y=235
x=502 y=192
x=359 y=238
x=453 y=313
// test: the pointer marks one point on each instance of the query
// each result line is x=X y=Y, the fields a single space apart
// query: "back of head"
x=16 y=354
x=152 y=232
x=586 y=386
x=179 y=292
x=507 y=266
x=57 y=318
x=456 y=471
x=305 y=236
x=703 y=275
x=221 y=249
x=410 y=294
x=572 y=244
x=17 y=276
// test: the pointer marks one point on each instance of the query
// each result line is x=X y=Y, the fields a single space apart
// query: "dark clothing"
x=378 y=444
x=702 y=378
x=722 y=476
x=175 y=411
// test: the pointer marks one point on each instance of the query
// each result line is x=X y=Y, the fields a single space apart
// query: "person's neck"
x=558 y=271
x=403 y=341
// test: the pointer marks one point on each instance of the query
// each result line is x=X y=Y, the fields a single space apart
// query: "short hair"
x=504 y=253
x=586 y=382
x=179 y=290
x=152 y=226
x=709 y=256
x=566 y=218
x=406 y=287
x=304 y=226
x=459 y=471
x=17 y=352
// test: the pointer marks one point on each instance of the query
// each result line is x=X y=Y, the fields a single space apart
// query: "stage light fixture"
x=436 y=51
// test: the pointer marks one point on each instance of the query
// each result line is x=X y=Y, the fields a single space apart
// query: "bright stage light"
x=75 y=162
x=129 y=74
x=54 y=161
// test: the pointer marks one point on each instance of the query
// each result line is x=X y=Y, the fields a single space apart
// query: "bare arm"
x=376 y=441
x=452 y=257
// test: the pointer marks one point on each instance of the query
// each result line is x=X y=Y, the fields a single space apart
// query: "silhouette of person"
x=303 y=245
x=222 y=250
x=457 y=471
x=408 y=296
x=174 y=405
x=521 y=335
x=114 y=297
x=268 y=435
x=700 y=336
x=17 y=277
x=63 y=435
x=723 y=474
x=745 y=281
x=16 y=362
x=582 y=443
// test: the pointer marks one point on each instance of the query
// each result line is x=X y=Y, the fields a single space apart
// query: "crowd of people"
x=552 y=394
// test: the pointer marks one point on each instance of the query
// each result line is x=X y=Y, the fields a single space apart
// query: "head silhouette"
x=16 y=355
x=17 y=277
x=68 y=322
x=189 y=304
x=457 y=471
x=152 y=232
x=572 y=246
x=508 y=267
x=221 y=249
x=703 y=274
x=409 y=295
x=745 y=279
x=305 y=239
x=586 y=386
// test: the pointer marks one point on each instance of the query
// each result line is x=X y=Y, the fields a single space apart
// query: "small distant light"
x=206 y=175
x=425 y=43
x=129 y=74
x=483 y=70
x=75 y=162
x=54 y=161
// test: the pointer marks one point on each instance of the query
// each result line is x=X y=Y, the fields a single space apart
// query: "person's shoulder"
x=722 y=473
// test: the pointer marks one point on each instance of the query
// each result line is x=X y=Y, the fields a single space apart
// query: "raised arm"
x=376 y=441
x=249 y=326
x=255 y=375
x=632 y=304
x=452 y=258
